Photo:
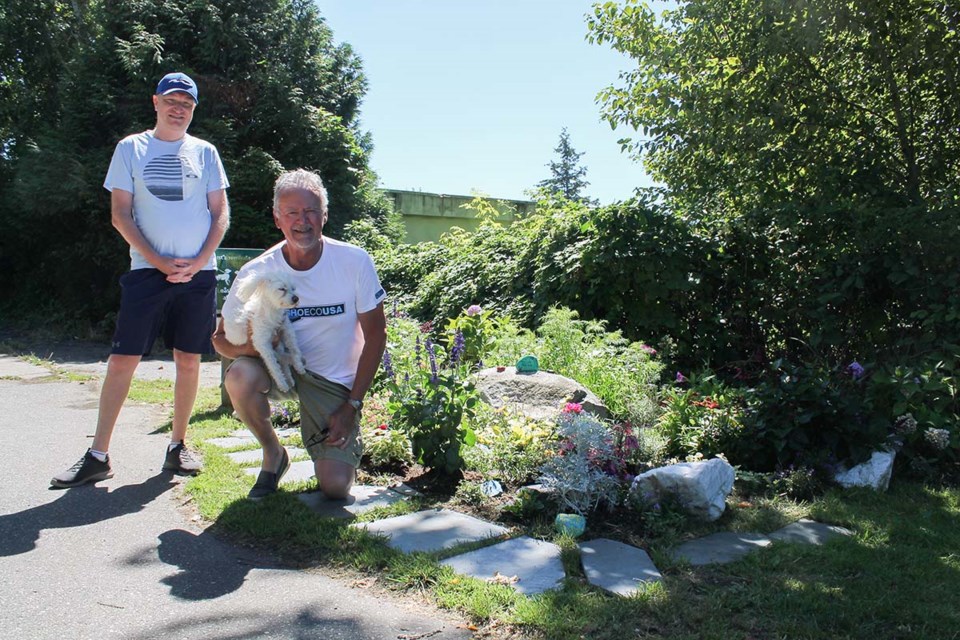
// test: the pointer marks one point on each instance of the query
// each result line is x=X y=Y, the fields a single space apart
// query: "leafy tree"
x=276 y=92
x=743 y=103
x=567 y=174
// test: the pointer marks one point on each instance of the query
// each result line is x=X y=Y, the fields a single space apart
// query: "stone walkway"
x=530 y=566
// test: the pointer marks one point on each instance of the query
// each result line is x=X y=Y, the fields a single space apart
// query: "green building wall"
x=427 y=216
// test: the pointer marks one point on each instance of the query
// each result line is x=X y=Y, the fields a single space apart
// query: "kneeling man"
x=341 y=330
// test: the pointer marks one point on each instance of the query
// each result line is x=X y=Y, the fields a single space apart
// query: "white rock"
x=874 y=473
x=700 y=487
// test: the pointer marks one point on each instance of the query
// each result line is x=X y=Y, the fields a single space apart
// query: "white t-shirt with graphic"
x=343 y=284
x=169 y=182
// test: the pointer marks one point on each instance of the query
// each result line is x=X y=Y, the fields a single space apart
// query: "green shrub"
x=922 y=403
x=528 y=504
x=477 y=329
x=470 y=493
x=384 y=447
x=510 y=447
x=810 y=415
x=663 y=518
x=798 y=483
x=702 y=415
x=433 y=405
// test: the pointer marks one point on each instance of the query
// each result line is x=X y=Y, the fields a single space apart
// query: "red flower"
x=382 y=427
x=572 y=407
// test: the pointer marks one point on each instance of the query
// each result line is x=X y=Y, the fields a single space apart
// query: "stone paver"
x=285 y=432
x=256 y=455
x=298 y=471
x=617 y=567
x=362 y=498
x=809 y=532
x=723 y=547
x=231 y=442
x=536 y=564
x=432 y=530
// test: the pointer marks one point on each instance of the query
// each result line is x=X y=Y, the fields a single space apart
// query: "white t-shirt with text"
x=343 y=284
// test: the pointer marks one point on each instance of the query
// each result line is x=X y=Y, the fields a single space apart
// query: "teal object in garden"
x=528 y=364
x=570 y=523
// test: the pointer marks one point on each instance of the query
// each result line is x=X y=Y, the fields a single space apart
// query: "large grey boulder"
x=874 y=473
x=539 y=395
x=700 y=487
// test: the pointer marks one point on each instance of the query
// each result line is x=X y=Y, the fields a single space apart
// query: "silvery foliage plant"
x=578 y=463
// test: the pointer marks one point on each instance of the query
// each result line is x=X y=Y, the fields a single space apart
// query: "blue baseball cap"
x=174 y=82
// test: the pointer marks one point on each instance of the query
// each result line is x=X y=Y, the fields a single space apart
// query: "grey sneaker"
x=180 y=460
x=87 y=469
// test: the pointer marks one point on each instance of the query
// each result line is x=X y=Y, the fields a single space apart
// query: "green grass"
x=897 y=577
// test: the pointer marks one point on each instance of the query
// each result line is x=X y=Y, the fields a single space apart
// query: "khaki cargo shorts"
x=318 y=398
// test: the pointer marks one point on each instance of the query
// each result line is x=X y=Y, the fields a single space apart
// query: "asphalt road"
x=123 y=559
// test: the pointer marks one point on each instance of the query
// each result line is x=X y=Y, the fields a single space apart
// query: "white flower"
x=905 y=425
x=939 y=438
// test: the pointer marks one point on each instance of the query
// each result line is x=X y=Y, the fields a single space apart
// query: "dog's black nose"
x=296 y=299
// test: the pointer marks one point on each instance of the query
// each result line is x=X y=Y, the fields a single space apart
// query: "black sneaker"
x=180 y=460
x=87 y=469
x=268 y=482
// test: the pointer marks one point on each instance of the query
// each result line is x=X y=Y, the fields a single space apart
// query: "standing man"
x=168 y=200
x=340 y=327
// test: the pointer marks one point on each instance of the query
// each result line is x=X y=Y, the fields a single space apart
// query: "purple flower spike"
x=432 y=356
x=459 y=344
x=388 y=364
x=856 y=370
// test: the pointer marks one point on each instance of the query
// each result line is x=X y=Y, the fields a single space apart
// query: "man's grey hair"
x=300 y=179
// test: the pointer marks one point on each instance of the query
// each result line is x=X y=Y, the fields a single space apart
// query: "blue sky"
x=473 y=95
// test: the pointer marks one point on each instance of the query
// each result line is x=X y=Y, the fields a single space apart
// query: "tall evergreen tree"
x=276 y=92
x=567 y=175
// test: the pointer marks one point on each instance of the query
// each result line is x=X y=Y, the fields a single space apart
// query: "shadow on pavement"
x=307 y=624
x=208 y=568
x=75 y=508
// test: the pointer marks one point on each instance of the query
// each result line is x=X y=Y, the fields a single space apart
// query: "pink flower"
x=648 y=349
x=474 y=310
x=681 y=377
x=572 y=407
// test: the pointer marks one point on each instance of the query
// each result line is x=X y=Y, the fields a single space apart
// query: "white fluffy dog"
x=266 y=299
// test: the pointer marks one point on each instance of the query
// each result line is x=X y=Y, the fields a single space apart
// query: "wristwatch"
x=356 y=404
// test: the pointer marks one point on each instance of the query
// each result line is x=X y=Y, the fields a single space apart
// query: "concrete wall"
x=427 y=216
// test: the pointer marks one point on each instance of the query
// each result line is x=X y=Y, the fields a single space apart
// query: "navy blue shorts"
x=184 y=313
